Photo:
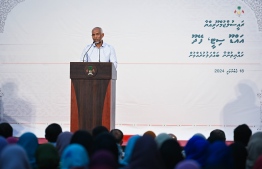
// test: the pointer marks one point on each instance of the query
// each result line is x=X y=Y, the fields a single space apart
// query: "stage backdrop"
x=184 y=67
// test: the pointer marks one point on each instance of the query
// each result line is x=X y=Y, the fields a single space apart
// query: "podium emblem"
x=90 y=71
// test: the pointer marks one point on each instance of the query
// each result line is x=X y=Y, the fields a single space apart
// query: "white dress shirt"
x=106 y=53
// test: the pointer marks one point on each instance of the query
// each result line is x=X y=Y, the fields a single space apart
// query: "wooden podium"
x=93 y=93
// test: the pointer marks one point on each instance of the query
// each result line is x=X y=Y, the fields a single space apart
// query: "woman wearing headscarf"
x=103 y=159
x=74 y=156
x=129 y=149
x=83 y=138
x=47 y=157
x=106 y=141
x=14 y=157
x=254 y=149
x=160 y=138
x=219 y=156
x=196 y=149
x=171 y=153
x=29 y=142
x=145 y=154
x=3 y=143
x=12 y=140
x=62 y=141
x=188 y=164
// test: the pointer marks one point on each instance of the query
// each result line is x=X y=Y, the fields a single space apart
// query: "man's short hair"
x=99 y=130
x=52 y=131
x=217 y=135
x=118 y=134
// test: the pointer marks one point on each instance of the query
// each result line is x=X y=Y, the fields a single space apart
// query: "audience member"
x=12 y=140
x=217 y=135
x=51 y=133
x=188 y=164
x=14 y=157
x=99 y=130
x=3 y=143
x=242 y=134
x=47 y=157
x=29 y=142
x=118 y=134
x=103 y=159
x=160 y=138
x=106 y=141
x=258 y=163
x=196 y=149
x=239 y=154
x=129 y=150
x=172 y=136
x=171 y=153
x=62 y=141
x=6 y=130
x=218 y=156
x=150 y=133
x=74 y=157
x=85 y=139
x=254 y=149
x=145 y=154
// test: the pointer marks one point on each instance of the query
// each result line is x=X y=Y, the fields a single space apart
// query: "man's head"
x=99 y=130
x=217 y=135
x=52 y=131
x=118 y=134
x=97 y=35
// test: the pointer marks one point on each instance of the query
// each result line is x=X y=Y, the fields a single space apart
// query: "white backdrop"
x=163 y=84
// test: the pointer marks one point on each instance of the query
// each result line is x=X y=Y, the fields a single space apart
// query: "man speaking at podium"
x=99 y=51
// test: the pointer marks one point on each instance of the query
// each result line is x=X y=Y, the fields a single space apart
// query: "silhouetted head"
x=6 y=130
x=52 y=131
x=118 y=134
x=242 y=134
x=217 y=135
x=99 y=130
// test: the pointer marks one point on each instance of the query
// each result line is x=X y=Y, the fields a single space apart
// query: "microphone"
x=87 y=51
